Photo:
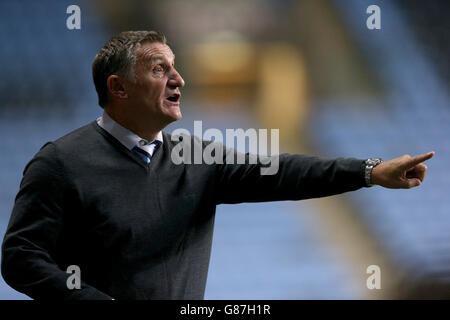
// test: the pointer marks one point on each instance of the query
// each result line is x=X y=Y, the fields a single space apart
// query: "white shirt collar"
x=128 y=138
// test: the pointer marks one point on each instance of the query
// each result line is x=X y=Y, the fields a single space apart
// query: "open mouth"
x=174 y=98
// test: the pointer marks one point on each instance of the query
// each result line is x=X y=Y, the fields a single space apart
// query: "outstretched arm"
x=303 y=177
x=298 y=177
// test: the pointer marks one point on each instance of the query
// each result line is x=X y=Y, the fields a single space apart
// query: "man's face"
x=155 y=92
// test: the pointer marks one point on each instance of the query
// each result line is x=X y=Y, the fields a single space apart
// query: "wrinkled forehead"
x=152 y=51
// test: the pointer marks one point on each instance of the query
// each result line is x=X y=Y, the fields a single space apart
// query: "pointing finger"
x=411 y=162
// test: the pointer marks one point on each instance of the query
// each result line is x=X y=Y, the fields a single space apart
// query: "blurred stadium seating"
x=413 y=118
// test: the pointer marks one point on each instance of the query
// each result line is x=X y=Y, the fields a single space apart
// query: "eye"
x=158 y=69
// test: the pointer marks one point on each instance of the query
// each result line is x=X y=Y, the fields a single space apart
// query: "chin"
x=171 y=111
x=173 y=114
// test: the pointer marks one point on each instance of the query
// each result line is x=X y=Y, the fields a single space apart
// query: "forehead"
x=148 y=51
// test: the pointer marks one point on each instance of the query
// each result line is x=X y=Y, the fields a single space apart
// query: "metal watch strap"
x=369 y=165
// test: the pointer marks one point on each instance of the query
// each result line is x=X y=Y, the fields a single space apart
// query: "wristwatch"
x=369 y=165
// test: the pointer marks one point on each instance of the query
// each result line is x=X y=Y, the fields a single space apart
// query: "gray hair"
x=118 y=56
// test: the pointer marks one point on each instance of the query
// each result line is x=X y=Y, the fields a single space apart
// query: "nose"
x=176 y=80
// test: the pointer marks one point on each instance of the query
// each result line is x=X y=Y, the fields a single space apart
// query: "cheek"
x=155 y=88
x=151 y=92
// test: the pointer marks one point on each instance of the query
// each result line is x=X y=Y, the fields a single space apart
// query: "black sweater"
x=137 y=231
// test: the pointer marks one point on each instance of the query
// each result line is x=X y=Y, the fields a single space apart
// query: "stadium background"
x=312 y=69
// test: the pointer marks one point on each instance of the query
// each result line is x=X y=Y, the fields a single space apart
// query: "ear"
x=116 y=87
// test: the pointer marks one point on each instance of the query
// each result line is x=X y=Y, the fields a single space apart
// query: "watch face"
x=373 y=161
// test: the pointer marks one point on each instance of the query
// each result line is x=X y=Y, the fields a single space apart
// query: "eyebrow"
x=159 y=57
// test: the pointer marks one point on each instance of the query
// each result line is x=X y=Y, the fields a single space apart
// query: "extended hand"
x=403 y=172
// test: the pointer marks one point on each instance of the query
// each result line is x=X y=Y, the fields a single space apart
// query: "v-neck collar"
x=155 y=158
x=124 y=135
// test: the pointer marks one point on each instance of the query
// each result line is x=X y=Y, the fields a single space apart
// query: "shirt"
x=125 y=136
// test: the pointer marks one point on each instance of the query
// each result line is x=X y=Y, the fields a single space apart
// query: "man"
x=108 y=199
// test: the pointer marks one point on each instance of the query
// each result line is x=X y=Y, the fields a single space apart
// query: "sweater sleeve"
x=36 y=225
x=293 y=177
